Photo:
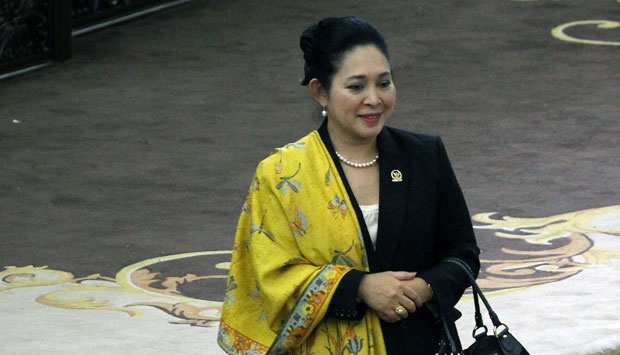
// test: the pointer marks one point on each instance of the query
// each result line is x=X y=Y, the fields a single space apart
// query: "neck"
x=356 y=150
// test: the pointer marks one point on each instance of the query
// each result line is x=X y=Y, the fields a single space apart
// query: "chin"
x=372 y=132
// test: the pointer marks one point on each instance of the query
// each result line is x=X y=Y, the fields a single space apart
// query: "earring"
x=324 y=112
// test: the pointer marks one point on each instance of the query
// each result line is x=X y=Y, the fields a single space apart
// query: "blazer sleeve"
x=454 y=238
x=345 y=304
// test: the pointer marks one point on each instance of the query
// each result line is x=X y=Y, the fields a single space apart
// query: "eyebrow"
x=355 y=77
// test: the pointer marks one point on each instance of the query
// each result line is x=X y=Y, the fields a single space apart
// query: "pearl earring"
x=324 y=112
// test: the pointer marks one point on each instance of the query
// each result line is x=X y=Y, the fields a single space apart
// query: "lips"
x=371 y=117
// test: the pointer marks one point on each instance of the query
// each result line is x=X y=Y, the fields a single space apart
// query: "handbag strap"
x=508 y=344
x=477 y=294
x=478 y=316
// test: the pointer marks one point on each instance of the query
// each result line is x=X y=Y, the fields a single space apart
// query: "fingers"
x=390 y=317
x=414 y=297
x=418 y=291
x=398 y=313
x=408 y=303
x=388 y=293
x=404 y=275
x=401 y=312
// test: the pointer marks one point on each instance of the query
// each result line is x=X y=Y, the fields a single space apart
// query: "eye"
x=385 y=84
x=355 y=87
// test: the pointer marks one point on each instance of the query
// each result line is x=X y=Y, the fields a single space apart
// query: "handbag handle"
x=478 y=294
x=507 y=343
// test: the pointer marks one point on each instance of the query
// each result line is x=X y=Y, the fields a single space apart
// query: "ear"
x=318 y=92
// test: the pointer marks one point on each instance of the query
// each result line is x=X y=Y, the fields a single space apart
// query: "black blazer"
x=423 y=218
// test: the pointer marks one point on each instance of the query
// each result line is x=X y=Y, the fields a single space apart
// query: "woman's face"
x=362 y=95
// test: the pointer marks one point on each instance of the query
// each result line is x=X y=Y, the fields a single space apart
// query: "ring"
x=401 y=311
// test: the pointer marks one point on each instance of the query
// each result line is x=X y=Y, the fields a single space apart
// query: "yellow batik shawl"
x=297 y=237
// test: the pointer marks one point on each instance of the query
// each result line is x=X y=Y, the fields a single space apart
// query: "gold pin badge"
x=396 y=175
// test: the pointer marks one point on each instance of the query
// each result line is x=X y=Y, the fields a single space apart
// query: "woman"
x=340 y=243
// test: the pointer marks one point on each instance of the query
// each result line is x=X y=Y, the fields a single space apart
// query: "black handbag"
x=501 y=342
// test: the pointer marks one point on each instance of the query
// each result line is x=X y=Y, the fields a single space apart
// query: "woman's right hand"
x=385 y=291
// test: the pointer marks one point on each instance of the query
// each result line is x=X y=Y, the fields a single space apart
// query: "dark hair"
x=325 y=44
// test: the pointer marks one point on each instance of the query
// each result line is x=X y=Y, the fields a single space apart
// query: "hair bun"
x=307 y=43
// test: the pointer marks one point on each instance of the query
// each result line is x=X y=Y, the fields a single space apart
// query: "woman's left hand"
x=422 y=292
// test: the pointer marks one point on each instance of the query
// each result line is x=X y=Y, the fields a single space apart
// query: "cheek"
x=390 y=99
x=343 y=102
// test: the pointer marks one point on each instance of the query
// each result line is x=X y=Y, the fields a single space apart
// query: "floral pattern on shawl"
x=295 y=240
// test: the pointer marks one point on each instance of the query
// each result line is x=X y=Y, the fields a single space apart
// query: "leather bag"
x=500 y=342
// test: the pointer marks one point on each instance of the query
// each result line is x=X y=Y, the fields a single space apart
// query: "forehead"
x=365 y=60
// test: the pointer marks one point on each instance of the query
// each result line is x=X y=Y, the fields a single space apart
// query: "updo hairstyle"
x=325 y=44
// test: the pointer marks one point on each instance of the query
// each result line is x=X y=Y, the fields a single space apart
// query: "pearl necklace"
x=357 y=165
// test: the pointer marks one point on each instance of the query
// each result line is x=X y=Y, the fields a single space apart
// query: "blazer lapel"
x=394 y=182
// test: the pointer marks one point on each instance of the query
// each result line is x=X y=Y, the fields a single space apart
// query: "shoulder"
x=294 y=148
x=396 y=138
x=288 y=155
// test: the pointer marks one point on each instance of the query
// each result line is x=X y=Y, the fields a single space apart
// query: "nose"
x=373 y=98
